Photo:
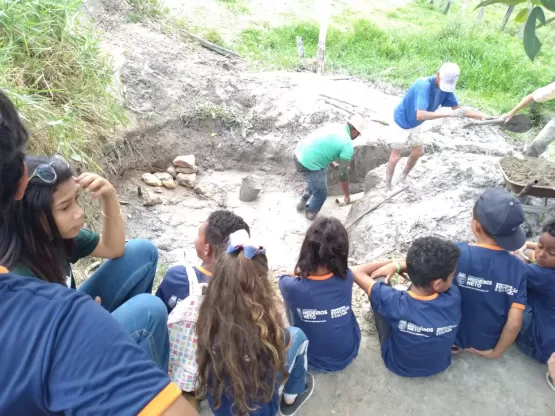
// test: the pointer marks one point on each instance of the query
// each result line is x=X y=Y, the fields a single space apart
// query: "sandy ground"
x=185 y=100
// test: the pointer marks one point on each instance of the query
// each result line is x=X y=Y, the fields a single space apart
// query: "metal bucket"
x=250 y=188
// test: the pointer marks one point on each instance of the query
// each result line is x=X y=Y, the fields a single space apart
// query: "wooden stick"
x=354 y=198
x=300 y=46
x=373 y=208
x=339 y=106
x=212 y=46
x=527 y=188
x=324 y=20
x=385 y=123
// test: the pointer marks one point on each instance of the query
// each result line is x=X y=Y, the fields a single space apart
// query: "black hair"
x=326 y=244
x=549 y=227
x=431 y=258
x=31 y=237
x=220 y=225
x=475 y=217
x=13 y=143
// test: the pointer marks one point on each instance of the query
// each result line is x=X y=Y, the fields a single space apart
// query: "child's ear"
x=208 y=250
x=437 y=285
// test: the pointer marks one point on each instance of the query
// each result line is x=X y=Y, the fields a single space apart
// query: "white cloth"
x=398 y=137
x=544 y=93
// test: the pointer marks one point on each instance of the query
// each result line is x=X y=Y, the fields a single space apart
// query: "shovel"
x=518 y=124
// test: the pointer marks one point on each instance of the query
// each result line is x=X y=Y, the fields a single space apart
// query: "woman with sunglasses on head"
x=61 y=352
x=45 y=235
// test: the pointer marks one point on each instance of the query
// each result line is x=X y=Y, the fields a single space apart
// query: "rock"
x=163 y=176
x=151 y=179
x=187 y=180
x=206 y=189
x=188 y=161
x=166 y=179
x=149 y=199
x=187 y=170
x=171 y=170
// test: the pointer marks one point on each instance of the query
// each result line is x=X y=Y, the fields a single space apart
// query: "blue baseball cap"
x=501 y=215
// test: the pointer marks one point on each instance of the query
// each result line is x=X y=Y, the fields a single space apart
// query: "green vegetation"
x=52 y=67
x=411 y=42
x=146 y=9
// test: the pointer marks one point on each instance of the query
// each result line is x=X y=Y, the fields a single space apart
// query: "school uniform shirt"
x=492 y=281
x=85 y=243
x=423 y=329
x=268 y=409
x=541 y=298
x=62 y=353
x=321 y=307
x=424 y=95
x=175 y=285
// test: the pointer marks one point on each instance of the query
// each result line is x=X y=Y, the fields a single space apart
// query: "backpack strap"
x=194 y=285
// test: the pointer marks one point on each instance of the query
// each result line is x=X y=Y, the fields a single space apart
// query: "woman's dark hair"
x=326 y=244
x=241 y=343
x=431 y=258
x=13 y=142
x=30 y=237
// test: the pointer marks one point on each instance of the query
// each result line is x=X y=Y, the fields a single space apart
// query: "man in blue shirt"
x=419 y=104
x=61 y=352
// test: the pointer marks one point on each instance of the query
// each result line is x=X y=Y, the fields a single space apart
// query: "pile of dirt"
x=523 y=170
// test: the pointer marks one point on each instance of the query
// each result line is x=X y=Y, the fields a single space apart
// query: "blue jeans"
x=296 y=362
x=316 y=190
x=524 y=340
x=124 y=286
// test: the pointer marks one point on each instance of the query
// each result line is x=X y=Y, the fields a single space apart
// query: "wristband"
x=398 y=265
x=111 y=217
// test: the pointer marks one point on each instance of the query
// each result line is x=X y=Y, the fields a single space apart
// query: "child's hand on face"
x=96 y=185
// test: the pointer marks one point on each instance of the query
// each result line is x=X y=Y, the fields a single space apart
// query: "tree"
x=532 y=44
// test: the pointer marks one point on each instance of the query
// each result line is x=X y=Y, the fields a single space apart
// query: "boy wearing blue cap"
x=491 y=280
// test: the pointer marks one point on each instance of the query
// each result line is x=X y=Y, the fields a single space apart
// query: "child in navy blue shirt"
x=211 y=241
x=416 y=327
x=537 y=336
x=319 y=297
x=491 y=280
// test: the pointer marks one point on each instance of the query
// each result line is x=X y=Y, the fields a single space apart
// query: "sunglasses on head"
x=46 y=172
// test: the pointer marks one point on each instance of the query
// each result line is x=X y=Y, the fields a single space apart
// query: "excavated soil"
x=526 y=169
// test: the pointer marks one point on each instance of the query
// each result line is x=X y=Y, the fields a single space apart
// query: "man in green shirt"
x=319 y=150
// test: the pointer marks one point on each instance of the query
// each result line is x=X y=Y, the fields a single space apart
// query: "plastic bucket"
x=250 y=188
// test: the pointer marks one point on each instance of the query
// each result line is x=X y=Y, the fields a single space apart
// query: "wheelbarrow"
x=531 y=188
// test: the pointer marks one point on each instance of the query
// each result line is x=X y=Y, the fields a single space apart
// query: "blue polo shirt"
x=424 y=95
x=491 y=281
x=175 y=285
x=62 y=353
x=322 y=307
x=423 y=329
x=541 y=298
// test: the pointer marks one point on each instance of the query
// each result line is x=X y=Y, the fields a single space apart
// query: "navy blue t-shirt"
x=541 y=298
x=269 y=409
x=424 y=95
x=492 y=281
x=62 y=353
x=423 y=329
x=321 y=307
x=175 y=285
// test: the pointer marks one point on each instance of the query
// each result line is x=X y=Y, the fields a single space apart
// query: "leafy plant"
x=532 y=43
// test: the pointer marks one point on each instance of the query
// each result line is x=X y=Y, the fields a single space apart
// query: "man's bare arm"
x=180 y=407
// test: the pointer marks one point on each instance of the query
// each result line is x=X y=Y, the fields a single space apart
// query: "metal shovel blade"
x=518 y=124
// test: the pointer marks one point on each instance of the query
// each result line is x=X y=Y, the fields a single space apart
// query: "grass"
x=52 y=67
x=143 y=10
x=412 y=42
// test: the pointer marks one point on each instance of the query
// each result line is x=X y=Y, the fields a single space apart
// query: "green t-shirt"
x=323 y=146
x=85 y=243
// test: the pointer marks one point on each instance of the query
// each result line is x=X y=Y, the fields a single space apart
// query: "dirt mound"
x=527 y=169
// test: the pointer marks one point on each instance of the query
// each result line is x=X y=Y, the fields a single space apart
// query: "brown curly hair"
x=241 y=345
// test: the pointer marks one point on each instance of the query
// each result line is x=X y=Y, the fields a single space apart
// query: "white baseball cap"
x=359 y=123
x=448 y=76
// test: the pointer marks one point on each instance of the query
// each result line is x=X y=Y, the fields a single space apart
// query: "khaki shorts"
x=399 y=137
